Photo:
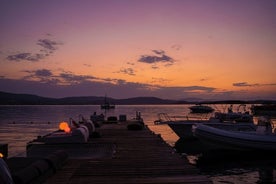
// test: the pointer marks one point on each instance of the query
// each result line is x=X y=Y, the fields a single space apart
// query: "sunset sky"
x=172 y=49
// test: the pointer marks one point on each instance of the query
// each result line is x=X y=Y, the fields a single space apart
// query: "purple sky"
x=175 y=49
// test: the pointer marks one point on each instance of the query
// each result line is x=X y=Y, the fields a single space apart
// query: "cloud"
x=159 y=52
x=129 y=63
x=159 y=56
x=70 y=78
x=127 y=71
x=176 y=47
x=203 y=79
x=246 y=84
x=42 y=76
x=25 y=56
x=198 y=88
x=48 y=44
x=159 y=80
x=87 y=65
x=154 y=67
x=43 y=73
x=48 y=47
x=47 y=76
x=60 y=85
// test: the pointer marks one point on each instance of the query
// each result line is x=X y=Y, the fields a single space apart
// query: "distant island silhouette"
x=29 y=99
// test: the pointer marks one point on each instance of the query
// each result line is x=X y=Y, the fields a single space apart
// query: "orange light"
x=63 y=125
x=67 y=129
x=1 y=155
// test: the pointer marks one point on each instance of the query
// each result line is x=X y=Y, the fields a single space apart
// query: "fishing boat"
x=198 y=108
x=224 y=139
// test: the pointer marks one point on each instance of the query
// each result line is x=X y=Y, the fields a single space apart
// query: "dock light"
x=64 y=126
x=1 y=155
x=67 y=129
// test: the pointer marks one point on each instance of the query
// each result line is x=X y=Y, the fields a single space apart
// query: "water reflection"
x=225 y=166
x=220 y=168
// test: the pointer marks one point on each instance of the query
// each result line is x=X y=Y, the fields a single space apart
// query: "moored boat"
x=224 y=139
x=198 y=108
x=182 y=125
x=107 y=105
x=237 y=116
x=68 y=137
x=265 y=109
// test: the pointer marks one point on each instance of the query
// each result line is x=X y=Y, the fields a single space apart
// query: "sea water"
x=20 y=124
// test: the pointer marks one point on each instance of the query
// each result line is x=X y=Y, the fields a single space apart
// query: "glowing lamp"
x=67 y=129
x=1 y=155
x=63 y=125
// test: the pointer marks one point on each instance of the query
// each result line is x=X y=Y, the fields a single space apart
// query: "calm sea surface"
x=20 y=124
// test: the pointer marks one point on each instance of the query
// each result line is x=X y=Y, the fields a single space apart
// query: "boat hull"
x=201 y=109
x=215 y=138
x=184 y=129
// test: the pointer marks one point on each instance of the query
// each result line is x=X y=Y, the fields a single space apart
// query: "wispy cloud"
x=199 y=88
x=203 y=79
x=246 y=84
x=130 y=63
x=70 y=78
x=47 y=76
x=159 y=57
x=127 y=71
x=176 y=47
x=46 y=83
x=87 y=65
x=43 y=73
x=25 y=56
x=159 y=80
x=48 y=44
x=48 y=48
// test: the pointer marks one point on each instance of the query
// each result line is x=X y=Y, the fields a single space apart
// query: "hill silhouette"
x=29 y=99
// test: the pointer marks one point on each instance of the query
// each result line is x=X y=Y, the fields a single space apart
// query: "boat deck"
x=137 y=157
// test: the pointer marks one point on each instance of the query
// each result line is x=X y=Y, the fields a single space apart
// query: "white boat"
x=222 y=139
x=182 y=125
x=201 y=109
x=76 y=134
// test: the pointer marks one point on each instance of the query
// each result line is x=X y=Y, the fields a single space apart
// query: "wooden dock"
x=136 y=157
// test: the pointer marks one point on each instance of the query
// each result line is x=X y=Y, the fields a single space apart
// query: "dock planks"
x=139 y=157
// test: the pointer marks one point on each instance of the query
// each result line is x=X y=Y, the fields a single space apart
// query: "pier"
x=126 y=156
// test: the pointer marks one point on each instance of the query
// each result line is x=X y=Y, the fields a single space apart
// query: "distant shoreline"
x=28 y=99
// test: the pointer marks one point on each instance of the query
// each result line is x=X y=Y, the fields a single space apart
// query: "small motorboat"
x=262 y=139
x=198 y=108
